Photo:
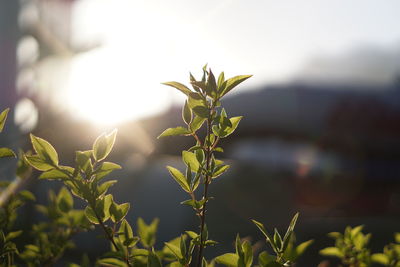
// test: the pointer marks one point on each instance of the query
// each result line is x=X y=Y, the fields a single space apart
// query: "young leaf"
x=186 y=113
x=118 y=212
x=331 y=251
x=102 y=189
x=3 y=118
x=103 y=145
x=38 y=163
x=265 y=233
x=55 y=174
x=198 y=104
x=229 y=130
x=91 y=215
x=228 y=259
x=211 y=88
x=174 y=131
x=111 y=262
x=147 y=233
x=221 y=80
x=179 y=86
x=104 y=169
x=174 y=249
x=179 y=178
x=196 y=123
x=6 y=152
x=289 y=231
x=190 y=159
x=220 y=169
x=45 y=150
x=233 y=82
x=64 y=200
x=153 y=260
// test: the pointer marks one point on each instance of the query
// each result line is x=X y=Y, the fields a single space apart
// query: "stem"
x=206 y=183
x=110 y=237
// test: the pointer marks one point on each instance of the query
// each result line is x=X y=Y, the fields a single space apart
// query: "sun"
x=106 y=88
x=120 y=80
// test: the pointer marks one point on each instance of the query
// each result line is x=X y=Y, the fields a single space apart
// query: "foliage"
x=207 y=122
x=351 y=248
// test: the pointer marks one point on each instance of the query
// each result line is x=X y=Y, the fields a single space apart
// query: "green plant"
x=207 y=122
x=390 y=255
x=203 y=107
x=351 y=247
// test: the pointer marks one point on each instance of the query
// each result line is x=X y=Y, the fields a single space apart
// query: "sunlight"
x=105 y=88
x=117 y=81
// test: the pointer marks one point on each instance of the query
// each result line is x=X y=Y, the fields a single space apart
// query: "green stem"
x=206 y=184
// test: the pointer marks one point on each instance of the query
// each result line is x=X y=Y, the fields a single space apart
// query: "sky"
x=144 y=43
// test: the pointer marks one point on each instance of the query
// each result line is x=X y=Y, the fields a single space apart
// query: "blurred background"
x=321 y=127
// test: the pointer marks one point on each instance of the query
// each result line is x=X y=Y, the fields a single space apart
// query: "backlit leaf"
x=179 y=86
x=6 y=152
x=233 y=82
x=38 y=163
x=174 y=131
x=179 y=178
x=103 y=145
x=3 y=118
x=44 y=150
x=228 y=259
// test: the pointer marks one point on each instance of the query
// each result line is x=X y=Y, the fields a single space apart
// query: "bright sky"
x=148 y=42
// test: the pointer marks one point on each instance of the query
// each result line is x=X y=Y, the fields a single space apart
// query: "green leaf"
x=103 y=145
x=201 y=111
x=229 y=130
x=104 y=169
x=12 y=235
x=84 y=162
x=198 y=104
x=397 y=237
x=199 y=86
x=174 y=131
x=289 y=231
x=26 y=195
x=266 y=260
x=179 y=178
x=6 y=152
x=3 y=118
x=228 y=259
x=331 y=251
x=380 y=258
x=65 y=200
x=196 y=123
x=38 y=163
x=153 y=260
x=261 y=227
x=300 y=249
x=190 y=159
x=102 y=189
x=186 y=113
x=55 y=174
x=108 y=262
x=356 y=230
x=118 y=212
x=147 y=233
x=221 y=80
x=232 y=83
x=175 y=250
x=44 y=150
x=211 y=88
x=179 y=86
x=126 y=234
x=277 y=240
x=103 y=207
x=220 y=169
x=91 y=215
